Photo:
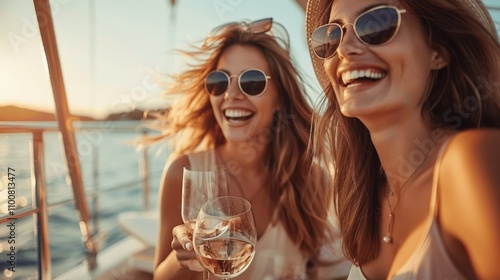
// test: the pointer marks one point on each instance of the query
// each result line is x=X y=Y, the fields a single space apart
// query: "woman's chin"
x=236 y=137
x=353 y=111
x=366 y=109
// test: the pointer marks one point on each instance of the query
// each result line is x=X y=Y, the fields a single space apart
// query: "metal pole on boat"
x=42 y=220
x=46 y=26
x=92 y=79
x=144 y=166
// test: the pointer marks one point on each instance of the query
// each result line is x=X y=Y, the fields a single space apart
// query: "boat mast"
x=46 y=26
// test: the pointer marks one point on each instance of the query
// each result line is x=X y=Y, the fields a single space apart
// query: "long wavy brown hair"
x=471 y=82
x=298 y=184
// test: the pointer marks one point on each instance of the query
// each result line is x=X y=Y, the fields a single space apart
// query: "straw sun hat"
x=316 y=9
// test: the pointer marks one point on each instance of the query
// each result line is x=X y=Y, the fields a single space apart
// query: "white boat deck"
x=126 y=259
x=130 y=258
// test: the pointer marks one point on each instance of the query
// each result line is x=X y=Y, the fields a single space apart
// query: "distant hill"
x=14 y=113
x=132 y=115
x=136 y=115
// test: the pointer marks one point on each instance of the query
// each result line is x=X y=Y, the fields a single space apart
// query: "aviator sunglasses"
x=252 y=82
x=375 y=27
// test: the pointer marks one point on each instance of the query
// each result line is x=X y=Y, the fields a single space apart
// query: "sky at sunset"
x=111 y=50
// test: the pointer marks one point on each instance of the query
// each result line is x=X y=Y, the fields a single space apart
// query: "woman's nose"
x=350 y=43
x=233 y=91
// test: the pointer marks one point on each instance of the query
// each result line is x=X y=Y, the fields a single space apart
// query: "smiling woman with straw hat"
x=411 y=116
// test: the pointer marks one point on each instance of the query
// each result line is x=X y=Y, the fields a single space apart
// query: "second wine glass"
x=198 y=186
x=225 y=236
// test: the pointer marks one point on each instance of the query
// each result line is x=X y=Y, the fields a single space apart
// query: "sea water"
x=108 y=160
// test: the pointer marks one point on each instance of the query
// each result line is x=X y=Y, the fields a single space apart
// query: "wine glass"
x=225 y=236
x=199 y=186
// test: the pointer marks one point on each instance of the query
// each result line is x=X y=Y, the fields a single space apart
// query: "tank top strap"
x=435 y=178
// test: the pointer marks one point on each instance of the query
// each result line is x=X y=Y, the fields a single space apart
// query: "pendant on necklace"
x=387 y=238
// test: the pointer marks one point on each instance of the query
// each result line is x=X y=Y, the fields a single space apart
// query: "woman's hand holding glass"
x=183 y=248
x=225 y=236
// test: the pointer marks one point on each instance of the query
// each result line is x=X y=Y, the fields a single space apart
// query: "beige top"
x=430 y=260
x=276 y=256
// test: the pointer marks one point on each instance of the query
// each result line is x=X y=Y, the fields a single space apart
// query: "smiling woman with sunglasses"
x=412 y=123
x=243 y=105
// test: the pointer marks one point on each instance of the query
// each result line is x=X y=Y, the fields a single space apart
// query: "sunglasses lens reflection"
x=326 y=39
x=378 y=26
x=253 y=82
x=217 y=83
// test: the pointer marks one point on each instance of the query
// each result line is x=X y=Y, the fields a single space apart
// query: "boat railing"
x=39 y=208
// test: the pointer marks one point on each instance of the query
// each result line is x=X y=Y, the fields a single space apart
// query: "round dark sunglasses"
x=252 y=82
x=375 y=27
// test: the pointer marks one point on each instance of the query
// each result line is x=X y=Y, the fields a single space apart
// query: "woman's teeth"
x=237 y=114
x=349 y=77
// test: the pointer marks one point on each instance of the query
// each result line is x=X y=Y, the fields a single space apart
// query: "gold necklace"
x=388 y=236
x=240 y=188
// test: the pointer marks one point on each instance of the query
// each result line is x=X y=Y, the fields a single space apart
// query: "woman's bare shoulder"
x=469 y=195
x=472 y=155
x=476 y=140
x=172 y=175
x=469 y=173
x=175 y=167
